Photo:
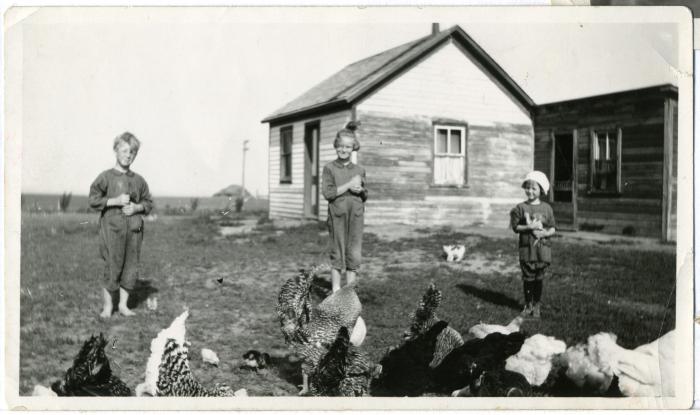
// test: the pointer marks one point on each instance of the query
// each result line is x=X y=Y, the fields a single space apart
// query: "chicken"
x=210 y=357
x=467 y=363
x=481 y=330
x=584 y=370
x=534 y=360
x=499 y=382
x=255 y=360
x=644 y=371
x=343 y=370
x=41 y=390
x=425 y=317
x=91 y=374
x=405 y=369
x=307 y=329
x=168 y=370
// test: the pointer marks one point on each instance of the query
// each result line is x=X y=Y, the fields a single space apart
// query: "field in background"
x=35 y=203
x=591 y=288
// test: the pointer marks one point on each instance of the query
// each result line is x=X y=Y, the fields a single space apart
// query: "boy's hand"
x=131 y=208
x=123 y=199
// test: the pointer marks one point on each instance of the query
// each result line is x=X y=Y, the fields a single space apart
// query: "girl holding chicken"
x=533 y=220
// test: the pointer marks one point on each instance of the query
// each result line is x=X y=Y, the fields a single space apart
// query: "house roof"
x=358 y=79
x=669 y=90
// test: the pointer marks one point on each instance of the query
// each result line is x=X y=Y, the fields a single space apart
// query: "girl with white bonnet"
x=533 y=220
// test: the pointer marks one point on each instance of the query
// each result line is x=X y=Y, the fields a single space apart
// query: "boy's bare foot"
x=126 y=312
x=106 y=313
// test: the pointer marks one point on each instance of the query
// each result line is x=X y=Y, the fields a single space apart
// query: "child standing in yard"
x=344 y=188
x=533 y=219
x=122 y=197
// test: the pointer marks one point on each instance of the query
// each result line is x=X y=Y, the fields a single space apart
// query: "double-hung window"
x=286 y=154
x=606 y=160
x=449 y=155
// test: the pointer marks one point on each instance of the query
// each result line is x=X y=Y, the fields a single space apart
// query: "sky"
x=193 y=84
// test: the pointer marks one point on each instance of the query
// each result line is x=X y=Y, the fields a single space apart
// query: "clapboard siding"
x=449 y=84
x=637 y=209
x=287 y=199
x=397 y=155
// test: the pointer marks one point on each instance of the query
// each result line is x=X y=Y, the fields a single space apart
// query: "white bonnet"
x=539 y=178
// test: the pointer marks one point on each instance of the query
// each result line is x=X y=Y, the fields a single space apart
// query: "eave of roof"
x=662 y=89
x=405 y=56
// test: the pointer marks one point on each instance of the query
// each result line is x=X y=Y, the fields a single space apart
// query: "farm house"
x=613 y=160
x=446 y=135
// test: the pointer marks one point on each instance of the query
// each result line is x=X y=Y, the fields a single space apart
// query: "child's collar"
x=534 y=202
x=119 y=172
x=340 y=163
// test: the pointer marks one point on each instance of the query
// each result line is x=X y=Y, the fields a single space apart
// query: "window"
x=286 y=154
x=449 y=151
x=606 y=159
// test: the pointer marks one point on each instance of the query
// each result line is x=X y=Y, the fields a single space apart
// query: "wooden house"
x=446 y=136
x=612 y=160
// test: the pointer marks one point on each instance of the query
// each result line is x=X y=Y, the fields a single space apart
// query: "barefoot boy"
x=122 y=197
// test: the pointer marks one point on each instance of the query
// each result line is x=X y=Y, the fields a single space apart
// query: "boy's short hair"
x=530 y=181
x=348 y=131
x=128 y=138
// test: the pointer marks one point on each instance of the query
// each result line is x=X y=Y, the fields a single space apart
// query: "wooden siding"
x=397 y=155
x=447 y=83
x=637 y=209
x=287 y=199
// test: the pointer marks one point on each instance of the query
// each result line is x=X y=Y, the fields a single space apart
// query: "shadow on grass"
x=142 y=290
x=287 y=370
x=493 y=297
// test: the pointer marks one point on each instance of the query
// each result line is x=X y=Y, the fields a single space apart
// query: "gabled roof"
x=358 y=79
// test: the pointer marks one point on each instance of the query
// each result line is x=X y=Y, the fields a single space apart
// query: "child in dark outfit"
x=123 y=198
x=344 y=188
x=534 y=221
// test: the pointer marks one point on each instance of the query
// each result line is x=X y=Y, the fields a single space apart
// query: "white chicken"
x=534 y=360
x=482 y=330
x=644 y=371
x=40 y=390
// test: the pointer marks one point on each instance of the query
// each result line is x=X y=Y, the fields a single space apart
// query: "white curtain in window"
x=449 y=170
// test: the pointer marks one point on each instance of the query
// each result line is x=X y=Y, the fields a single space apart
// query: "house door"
x=311 y=167
x=563 y=178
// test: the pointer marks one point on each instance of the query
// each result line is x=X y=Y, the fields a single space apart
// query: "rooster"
x=91 y=374
x=467 y=363
x=308 y=330
x=425 y=317
x=343 y=370
x=406 y=369
x=168 y=369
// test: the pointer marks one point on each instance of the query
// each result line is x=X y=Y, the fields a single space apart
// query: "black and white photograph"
x=396 y=207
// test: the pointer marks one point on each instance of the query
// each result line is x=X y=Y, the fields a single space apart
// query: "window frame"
x=450 y=126
x=594 y=132
x=286 y=176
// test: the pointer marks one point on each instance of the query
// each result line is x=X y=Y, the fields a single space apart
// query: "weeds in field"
x=64 y=201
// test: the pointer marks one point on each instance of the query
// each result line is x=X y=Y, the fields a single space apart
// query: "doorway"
x=311 y=168
x=563 y=177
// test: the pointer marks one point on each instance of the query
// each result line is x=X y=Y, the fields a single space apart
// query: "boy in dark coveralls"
x=123 y=198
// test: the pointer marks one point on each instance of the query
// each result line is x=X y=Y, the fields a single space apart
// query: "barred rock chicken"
x=467 y=363
x=406 y=369
x=168 y=370
x=425 y=317
x=343 y=370
x=308 y=330
x=91 y=374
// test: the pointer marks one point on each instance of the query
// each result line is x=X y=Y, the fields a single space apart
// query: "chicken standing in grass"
x=91 y=374
x=309 y=330
x=168 y=369
x=343 y=370
x=425 y=317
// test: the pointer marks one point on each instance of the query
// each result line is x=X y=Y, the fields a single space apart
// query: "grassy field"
x=591 y=288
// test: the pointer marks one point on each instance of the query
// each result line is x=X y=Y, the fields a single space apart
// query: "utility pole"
x=245 y=149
